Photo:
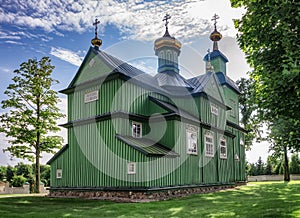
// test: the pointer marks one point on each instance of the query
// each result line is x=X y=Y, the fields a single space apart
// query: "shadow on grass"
x=254 y=200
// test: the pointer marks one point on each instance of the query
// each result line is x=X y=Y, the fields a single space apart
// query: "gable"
x=92 y=67
x=213 y=89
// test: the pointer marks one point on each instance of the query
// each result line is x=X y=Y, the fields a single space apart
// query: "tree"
x=9 y=173
x=267 y=33
x=18 y=181
x=33 y=112
x=268 y=168
x=23 y=169
x=2 y=173
x=295 y=164
x=248 y=110
x=260 y=167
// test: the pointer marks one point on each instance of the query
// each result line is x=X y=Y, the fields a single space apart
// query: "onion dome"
x=215 y=36
x=167 y=39
x=96 y=42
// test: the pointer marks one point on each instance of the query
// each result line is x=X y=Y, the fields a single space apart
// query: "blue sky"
x=63 y=30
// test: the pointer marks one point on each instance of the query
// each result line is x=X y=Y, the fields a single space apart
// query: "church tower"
x=167 y=48
x=216 y=58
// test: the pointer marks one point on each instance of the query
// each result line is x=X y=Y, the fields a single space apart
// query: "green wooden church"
x=130 y=133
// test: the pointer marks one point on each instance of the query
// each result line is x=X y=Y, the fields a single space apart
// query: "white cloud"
x=5 y=70
x=141 y=20
x=14 y=42
x=66 y=55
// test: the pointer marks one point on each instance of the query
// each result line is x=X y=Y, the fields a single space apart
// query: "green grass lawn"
x=257 y=199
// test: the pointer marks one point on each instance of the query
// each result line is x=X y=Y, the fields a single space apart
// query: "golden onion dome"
x=215 y=36
x=96 y=42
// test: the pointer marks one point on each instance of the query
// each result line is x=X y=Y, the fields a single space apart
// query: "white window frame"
x=91 y=96
x=223 y=146
x=131 y=168
x=214 y=109
x=135 y=134
x=58 y=173
x=192 y=139
x=242 y=142
x=209 y=145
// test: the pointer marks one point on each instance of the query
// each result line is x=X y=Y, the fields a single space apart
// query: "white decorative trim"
x=137 y=130
x=91 y=96
x=192 y=139
x=131 y=168
x=209 y=144
x=214 y=109
x=58 y=173
x=223 y=148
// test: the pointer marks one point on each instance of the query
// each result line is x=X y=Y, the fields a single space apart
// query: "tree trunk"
x=286 y=166
x=37 y=171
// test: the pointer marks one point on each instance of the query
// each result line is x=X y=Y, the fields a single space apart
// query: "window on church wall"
x=214 y=109
x=136 y=130
x=58 y=173
x=233 y=110
x=131 y=168
x=91 y=96
x=169 y=57
x=223 y=148
x=192 y=139
x=209 y=144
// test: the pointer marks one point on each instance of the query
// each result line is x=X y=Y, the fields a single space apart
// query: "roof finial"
x=96 y=41
x=96 y=27
x=215 y=36
x=215 y=17
x=167 y=17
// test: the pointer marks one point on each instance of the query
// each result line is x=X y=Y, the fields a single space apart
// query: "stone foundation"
x=136 y=196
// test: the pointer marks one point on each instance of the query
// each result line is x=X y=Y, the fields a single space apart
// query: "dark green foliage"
x=267 y=34
x=33 y=112
x=23 y=169
x=18 y=181
x=248 y=109
x=9 y=173
x=295 y=164
x=2 y=173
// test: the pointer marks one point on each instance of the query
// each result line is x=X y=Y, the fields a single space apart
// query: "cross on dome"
x=96 y=27
x=215 y=17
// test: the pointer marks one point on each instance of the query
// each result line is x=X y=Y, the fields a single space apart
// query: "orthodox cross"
x=166 y=18
x=96 y=27
x=215 y=17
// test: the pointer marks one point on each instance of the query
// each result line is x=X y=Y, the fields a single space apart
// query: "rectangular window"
x=209 y=145
x=91 y=96
x=136 y=130
x=214 y=109
x=192 y=139
x=223 y=148
x=131 y=168
x=233 y=108
x=58 y=173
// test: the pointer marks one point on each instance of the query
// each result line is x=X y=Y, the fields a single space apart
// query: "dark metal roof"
x=169 y=79
x=147 y=146
x=173 y=109
x=166 y=83
x=225 y=80
x=214 y=54
x=62 y=150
